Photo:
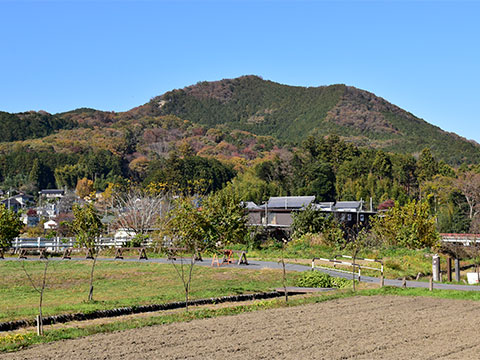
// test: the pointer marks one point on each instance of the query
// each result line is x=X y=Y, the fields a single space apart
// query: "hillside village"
x=43 y=216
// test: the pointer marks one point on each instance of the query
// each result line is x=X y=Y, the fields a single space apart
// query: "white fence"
x=349 y=264
x=58 y=244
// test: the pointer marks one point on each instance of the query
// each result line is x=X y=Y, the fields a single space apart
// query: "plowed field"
x=376 y=327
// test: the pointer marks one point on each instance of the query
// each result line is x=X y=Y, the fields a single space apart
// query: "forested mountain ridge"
x=291 y=113
x=30 y=125
x=263 y=108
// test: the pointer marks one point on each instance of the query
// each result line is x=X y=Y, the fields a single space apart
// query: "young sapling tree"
x=87 y=226
x=40 y=289
x=187 y=228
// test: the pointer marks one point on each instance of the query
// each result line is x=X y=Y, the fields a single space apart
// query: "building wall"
x=280 y=218
x=254 y=218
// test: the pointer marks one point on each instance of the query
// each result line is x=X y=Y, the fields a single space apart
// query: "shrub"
x=320 y=280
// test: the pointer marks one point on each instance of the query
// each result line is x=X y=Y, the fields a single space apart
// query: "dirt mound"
x=375 y=327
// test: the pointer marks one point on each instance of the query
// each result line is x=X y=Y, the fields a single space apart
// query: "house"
x=49 y=210
x=350 y=213
x=50 y=225
x=123 y=234
x=30 y=218
x=277 y=211
x=254 y=212
x=52 y=193
x=17 y=202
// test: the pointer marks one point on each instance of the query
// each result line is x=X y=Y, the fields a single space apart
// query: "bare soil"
x=375 y=327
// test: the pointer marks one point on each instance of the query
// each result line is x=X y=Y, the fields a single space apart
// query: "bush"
x=318 y=279
x=309 y=221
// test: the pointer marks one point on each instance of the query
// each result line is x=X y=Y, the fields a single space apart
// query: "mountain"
x=245 y=117
x=29 y=125
x=291 y=113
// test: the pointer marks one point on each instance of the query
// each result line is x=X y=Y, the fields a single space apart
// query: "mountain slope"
x=291 y=113
x=30 y=125
x=239 y=117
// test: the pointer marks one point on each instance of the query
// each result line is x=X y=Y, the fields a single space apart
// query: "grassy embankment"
x=398 y=262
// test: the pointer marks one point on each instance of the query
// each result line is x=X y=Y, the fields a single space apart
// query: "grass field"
x=398 y=262
x=117 y=284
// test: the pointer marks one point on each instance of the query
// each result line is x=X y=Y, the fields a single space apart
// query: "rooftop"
x=289 y=202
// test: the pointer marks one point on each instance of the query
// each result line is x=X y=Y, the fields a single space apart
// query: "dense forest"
x=30 y=125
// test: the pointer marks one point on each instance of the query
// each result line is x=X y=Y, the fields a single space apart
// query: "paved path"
x=257 y=265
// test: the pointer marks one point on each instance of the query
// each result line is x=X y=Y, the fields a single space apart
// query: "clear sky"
x=114 y=55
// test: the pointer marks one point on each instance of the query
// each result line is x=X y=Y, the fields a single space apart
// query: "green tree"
x=309 y=221
x=382 y=165
x=68 y=175
x=10 y=227
x=427 y=166
x=184 y=171
x=226 y=216
x=87 y=226
x=412 y=226
x=317 y=179
x=187 y=228
x=34 y=176
x=251 y=188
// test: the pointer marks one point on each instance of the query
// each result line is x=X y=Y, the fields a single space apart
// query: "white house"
x=50 y=225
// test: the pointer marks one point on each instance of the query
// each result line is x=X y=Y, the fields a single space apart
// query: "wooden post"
x=430 y=285
x=449 y=268
x=457 y=269
x=382 y=281
x=404 y=282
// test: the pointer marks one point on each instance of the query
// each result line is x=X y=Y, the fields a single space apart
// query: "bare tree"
x=138 y=212
x=469 y=184
x=40 y=289
x=184 y=272
x=356 y=241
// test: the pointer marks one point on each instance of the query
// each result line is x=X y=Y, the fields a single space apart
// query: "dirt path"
x=376 y=327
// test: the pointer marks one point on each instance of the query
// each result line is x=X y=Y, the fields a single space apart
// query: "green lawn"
x=117 y=284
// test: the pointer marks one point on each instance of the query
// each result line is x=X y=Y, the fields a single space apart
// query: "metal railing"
x=464 y=239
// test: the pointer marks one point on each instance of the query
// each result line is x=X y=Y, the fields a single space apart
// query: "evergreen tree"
x=427 y=166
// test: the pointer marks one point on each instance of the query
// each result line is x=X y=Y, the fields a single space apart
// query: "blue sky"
x=114 y=55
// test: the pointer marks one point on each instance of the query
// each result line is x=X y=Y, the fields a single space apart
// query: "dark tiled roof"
x=346 y=205
x=290 y=202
